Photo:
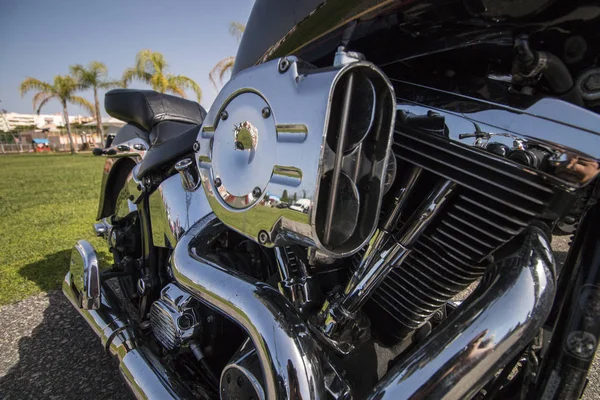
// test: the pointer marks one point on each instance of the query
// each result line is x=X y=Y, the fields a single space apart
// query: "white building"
x=10 y=121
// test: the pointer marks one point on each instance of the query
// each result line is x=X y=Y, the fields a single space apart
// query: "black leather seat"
x=147 y=108
x=164 y=154
x=170 y=124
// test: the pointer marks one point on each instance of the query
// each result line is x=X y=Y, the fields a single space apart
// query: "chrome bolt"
x=284 y=65
x=217 y=182
x=266 y=112
x=143 y=285
x=224 y=115
x=263 y=237
x=256 y=192
x=196 y=146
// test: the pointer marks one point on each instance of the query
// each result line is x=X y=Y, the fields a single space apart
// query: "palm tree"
x=62 y=89
x=151 y=68
x=94 y=77
x=236 y=29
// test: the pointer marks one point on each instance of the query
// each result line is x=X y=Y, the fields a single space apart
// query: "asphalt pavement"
x=47 y=351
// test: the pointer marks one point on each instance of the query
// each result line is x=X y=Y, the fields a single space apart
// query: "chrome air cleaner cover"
x=293 y=154
x=244 y=150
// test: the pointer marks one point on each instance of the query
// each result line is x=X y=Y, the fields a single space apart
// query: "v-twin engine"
x=376 y=185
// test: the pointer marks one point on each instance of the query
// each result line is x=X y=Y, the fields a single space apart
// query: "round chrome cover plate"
x=243 y=151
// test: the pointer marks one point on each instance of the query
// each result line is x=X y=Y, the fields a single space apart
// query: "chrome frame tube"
x=488 y=330
x=289 y=357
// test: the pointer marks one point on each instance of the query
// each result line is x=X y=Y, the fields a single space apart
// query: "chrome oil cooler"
x=288 y=149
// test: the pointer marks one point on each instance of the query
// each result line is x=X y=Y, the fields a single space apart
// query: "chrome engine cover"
x=288 y=149
x=173 y=317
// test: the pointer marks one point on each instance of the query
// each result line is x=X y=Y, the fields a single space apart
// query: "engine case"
x=293 y=154
x=173 y=317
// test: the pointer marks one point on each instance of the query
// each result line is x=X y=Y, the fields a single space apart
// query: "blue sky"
x=42 y=38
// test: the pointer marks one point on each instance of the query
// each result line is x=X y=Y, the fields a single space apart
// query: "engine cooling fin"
x=496 y=200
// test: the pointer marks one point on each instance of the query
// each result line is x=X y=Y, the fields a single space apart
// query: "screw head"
x=224 y=115
x=256 y=192
x=263 y=237
x=266 y=112
x=284 y=65
x=217 y=182
x=240 y=382
x=196 y=146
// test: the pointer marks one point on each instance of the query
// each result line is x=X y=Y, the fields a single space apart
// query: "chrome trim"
x=174 y=210
x=102 y=228
x=571 y=133
x=85 y=269
x=166 y=315
x=246 y=361
x=142 y=372
x=190 y=179
x=289 y=357
x=302 y=291
x=484 y=333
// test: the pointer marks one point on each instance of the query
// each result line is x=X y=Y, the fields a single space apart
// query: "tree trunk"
x=99 y=117
x=68 y=125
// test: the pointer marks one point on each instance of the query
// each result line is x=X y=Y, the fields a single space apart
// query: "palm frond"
x=38 y=98
x=66 y=85
x=44 y=101
x=176 y=91
x=80 y=101
x=219 y=70
x=110 y=84
x=99 y=68
x=236 y=29
x=30 y=84
x=132 y=73
x=183 y=82
x=90 y=76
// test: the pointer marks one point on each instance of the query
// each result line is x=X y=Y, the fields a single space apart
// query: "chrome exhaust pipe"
x=484 y=333
x=142 y=372
x=288 y=355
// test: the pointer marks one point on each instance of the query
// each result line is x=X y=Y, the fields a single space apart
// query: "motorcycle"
x=319 y=231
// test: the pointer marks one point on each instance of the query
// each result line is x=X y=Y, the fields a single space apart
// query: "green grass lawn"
x=47 y=203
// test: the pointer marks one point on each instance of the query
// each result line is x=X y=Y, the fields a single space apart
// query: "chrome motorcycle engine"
x=173 y=317
x=294 y=154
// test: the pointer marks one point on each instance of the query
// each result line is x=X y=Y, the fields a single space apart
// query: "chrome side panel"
x=174 y=210
x=134 y=150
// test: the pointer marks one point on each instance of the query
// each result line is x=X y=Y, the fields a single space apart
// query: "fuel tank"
x=313 y=29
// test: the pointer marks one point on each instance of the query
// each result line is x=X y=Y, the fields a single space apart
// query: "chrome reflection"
x=174 y=210
x=288 y=355
x=115 y=157
x=142 y=372
x=484 y=333
x=267 y=168
x=556 y=139
x=85 y=270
